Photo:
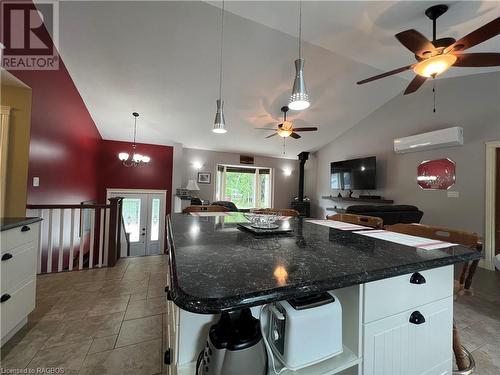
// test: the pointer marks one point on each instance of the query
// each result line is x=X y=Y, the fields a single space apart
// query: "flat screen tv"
x=354 y=174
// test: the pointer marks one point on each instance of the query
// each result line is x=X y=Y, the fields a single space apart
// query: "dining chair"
x=464 y=360
x=367 y=221
x=278 y=211
x=205 y=208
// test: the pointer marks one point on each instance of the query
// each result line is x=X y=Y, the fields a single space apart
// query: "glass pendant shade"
x=299 y=99
x=219 y=123
x=434 y=66
x=285 y=129
x=123 y=156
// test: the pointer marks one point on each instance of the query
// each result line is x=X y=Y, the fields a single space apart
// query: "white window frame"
x=257 y=186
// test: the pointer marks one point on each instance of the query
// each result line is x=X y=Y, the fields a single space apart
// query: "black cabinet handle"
x=169 y=293
x=25 y=228
x=5 y=297
x=167 y=357
x=6 y=256
x=417 y=318
x=417 y=278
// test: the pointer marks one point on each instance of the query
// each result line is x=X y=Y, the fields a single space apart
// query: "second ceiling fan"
x=433 y=58
x=286 y=128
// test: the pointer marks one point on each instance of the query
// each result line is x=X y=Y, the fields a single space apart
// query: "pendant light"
x=220 y=123
x=299 y=99
x=136 y=160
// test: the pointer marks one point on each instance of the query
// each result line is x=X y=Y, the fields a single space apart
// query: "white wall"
x=472 y=102
x=285 y=187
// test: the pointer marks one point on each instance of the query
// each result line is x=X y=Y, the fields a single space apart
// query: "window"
x=155 y=219
x=131 y=213
x=246 y=187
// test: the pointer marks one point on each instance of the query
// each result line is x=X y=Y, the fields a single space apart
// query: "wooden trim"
x=63 y=206
x=4 y=152
x=489 y=222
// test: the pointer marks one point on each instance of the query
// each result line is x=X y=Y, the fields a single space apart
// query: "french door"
x=144 y=218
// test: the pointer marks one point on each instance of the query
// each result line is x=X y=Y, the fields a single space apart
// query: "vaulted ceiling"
x=160 y=59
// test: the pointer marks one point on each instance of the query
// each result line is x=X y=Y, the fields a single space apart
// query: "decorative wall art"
x=204 y=177
x=436 y=174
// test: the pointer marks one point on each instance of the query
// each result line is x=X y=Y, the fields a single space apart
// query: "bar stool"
x=367 y=221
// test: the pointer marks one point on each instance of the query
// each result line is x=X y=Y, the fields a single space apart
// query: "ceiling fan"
x=286 y=128
x=433 y=58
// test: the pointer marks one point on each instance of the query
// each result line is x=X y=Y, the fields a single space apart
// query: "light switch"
x=36 y=181
x=453 y=194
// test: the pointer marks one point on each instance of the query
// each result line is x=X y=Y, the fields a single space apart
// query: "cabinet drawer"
x=15 y=237
x=387 y=297
x=17 y=265
x=18 y=306
x=402 y=345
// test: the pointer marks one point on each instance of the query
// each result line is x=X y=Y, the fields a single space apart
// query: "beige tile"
x=487 y=359
x=68 y=357
x=147 y=307
x=135 y=275
x=103 y=306
x=102 y=344
x=87 y=329
x=21 y=348
x=156 y=291
x=138 y=330
x=141 y=359
x=138 y=296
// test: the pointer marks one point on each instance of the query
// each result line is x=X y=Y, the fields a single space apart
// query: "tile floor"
x=113 y=321
x=96 y=322
x=478 y=320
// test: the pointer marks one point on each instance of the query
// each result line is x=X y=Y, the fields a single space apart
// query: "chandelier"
x=136 y=160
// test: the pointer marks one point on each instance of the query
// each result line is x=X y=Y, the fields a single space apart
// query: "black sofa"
x=229 y=205
x=391 y=214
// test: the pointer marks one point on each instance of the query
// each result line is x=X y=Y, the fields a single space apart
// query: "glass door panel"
x=144 y=218
x=132 y=217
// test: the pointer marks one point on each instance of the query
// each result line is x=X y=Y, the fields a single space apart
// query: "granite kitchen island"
x=215 y=267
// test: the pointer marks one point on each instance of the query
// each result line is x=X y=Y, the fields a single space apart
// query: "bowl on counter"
x=263 y=221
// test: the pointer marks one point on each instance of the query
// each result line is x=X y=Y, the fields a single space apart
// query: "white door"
x=143 y=215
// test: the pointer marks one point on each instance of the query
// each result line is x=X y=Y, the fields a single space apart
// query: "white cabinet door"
x=401 y=345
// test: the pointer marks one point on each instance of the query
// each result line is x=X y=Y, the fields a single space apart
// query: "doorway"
x=492 y=207
x=143 y=213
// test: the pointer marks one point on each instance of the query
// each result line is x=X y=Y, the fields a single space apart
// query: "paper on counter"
x=210 y=213
x=406 y=239
x=338 y=224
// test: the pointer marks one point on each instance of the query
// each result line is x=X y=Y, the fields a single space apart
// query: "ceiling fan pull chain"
x=434 y=94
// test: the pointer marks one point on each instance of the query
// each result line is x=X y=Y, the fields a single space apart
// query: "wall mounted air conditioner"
x=427 y=141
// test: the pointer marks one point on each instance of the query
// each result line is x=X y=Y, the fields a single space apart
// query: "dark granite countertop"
x=14 y=222
x=214 y=266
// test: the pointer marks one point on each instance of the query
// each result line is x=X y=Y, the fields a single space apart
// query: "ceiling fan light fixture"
x=284 y=132
x=219 y=123
x=434 y=66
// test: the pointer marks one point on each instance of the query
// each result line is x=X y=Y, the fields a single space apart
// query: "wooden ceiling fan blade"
x=477 y=59
x=386 y=74
x=306 y=129
x=416 y=42
x=415 y=84
x=480 y=35
x=295 y=135
x=272 y=135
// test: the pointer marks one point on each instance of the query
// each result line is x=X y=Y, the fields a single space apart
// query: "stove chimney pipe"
x=303 y=156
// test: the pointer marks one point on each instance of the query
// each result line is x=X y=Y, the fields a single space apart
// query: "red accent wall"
x=156 y=175
x=64 y=142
